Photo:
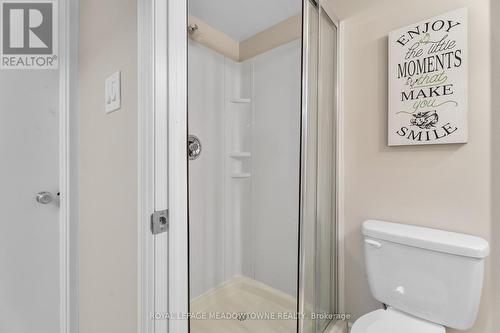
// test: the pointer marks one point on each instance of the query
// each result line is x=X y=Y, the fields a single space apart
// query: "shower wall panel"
x=206 y=174
x=276 y=154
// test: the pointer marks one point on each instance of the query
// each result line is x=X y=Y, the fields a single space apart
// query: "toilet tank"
x=431 y=274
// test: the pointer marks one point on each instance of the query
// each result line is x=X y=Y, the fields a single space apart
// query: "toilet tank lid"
x=427 y=238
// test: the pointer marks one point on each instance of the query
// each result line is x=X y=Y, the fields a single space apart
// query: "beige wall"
x=495 y=28
x=108 y=178
x=447 y=187
x=214 y=39
x=274 y=36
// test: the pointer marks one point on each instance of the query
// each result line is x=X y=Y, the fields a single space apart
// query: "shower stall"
x=262 y=166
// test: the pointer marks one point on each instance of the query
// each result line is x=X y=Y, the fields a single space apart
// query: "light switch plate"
x=113 y=93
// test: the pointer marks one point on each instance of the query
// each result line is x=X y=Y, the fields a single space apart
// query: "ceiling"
x=241 y=19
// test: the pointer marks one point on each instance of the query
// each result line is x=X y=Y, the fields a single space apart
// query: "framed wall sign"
x=428 y=81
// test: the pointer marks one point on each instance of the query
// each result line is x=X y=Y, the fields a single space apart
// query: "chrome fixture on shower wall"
x=194 y=147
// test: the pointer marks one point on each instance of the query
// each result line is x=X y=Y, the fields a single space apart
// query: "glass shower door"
x=326 y=200
x=309 y=168
x=244 y=114
x=262 y=173
x=318 y=225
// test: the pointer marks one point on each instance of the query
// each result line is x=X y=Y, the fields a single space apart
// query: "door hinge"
x=159 y=222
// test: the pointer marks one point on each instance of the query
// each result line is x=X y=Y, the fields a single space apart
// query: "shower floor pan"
x=243 y=305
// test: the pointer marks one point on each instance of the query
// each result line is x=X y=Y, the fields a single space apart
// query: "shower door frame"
x=162 y=165
x=338 y=261
x=163 y=275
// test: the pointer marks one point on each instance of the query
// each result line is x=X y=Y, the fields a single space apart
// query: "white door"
x=29 y=230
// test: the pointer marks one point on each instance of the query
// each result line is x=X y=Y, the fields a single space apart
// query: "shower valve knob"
x=194 y=147
x=44 y=198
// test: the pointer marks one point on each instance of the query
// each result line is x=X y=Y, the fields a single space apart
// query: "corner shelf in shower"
x=241 y=101
x=240 y=154
x=241 y=175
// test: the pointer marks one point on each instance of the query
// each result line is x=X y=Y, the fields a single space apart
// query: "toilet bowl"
x=393 y=321
x=429 y=279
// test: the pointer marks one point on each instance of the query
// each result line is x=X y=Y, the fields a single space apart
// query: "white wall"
x=275 y=165
x=108 y=169
x=447 y=187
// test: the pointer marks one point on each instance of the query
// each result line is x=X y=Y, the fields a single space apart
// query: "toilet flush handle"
x=373 y=243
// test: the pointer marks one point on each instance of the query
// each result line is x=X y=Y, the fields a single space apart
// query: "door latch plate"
x=159 y=222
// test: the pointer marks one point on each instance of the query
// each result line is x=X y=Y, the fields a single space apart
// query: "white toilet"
x=427 y=278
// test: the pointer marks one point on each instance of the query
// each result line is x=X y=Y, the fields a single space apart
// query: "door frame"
x=68 y=166
x=163 y=280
